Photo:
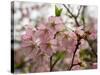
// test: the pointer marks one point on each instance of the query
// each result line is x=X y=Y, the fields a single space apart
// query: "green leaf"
x=18 y=66
x=85 y=55
x=82 y=18
x=58 y=11
x=60 y=55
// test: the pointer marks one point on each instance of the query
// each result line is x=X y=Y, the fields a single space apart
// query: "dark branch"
x=77 y=64
x=52 y=65
x=83 y=14
x=90 y=44
x=68 y=10
x=72 y=15
x=78 y=43
x=79 y=11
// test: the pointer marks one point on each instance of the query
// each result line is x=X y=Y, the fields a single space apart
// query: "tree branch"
x=83 y=15
x=52 y=65
x=77 y=64
x=79 y=37
x=68 y=10
x=75 y=17
x=79 y=11
x=78 y=43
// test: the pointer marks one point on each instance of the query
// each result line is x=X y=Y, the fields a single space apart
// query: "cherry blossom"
x=79 y=30
x=93 y=35
x=49 y=47
x=55 y=24
x=48 y=38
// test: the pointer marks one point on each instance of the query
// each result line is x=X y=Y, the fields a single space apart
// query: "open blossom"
x=55 y=20
x=84 y=44
x=43 y=33
x=55 y=24
x=79 y=30
x=28 y=39
x=67 y=41
x=49 y=47
x=70 y=42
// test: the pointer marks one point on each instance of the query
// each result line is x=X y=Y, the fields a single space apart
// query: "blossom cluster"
x=48 y=38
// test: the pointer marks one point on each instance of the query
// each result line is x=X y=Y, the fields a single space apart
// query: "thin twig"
x=77 y=64
x=90 y=44
x=75 y=17
x=52 y=65
x=79 y=11
x=68 y=10
x=83 y=15
x=94 y=52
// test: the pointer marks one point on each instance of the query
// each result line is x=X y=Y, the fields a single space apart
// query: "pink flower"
x=55 y=24
x=49 y=47
x=84 y=44
x=77 y=67
x=92 y=29
x=79 y=30
x=72 y=35
x=40 y=43
x=28 y=39
x=69 y=41
x=42 y=26
x=43 y=68
x=94 y=65
x=27 y=35
x=66 y=41
x=28 y=43
x=55 y=20
x=32 y=55
x=44 y=35
x=93 y=35
x=46 y=31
